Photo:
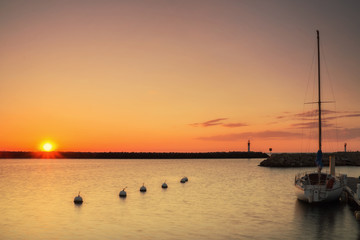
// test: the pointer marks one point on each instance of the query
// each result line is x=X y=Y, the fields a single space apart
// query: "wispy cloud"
x=312 y=124
x=218 y=122
x=240 y=136
x=284 y=115
x=350 y=133
x=350 y=115
x=313 y=113
x=342 y=133
x=308 y=119
x=210 y=123
x=307 y=122
x=329 y=114
x=234 y=125
x=332 y=135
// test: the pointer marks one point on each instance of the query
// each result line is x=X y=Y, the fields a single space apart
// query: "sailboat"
x=313 y=187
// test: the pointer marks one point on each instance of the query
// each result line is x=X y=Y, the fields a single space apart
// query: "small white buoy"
x=357 y=215
x=122 y=193
x=184 y=180
x=78 y=199
x=164 y=185
x=143 y=188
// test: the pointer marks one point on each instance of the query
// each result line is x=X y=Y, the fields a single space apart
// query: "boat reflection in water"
x=320 y=223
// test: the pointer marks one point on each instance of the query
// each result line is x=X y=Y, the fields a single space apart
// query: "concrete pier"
x=350 y=190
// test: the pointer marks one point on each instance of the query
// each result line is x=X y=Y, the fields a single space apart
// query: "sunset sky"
x=181 y=75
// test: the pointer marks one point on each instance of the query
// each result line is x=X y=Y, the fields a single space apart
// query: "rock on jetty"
x=308 y=159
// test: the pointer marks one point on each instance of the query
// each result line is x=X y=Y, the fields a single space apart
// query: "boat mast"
x=319 y=92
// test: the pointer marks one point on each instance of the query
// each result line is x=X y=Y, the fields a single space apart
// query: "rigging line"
x=310 y=77
x=321 y=102
x=313 y=127
x=327 y=72
x=330 y=83
x=314 y=87
x=336 y=127
x=324 y=133
x=310 y=72
x=312 y=117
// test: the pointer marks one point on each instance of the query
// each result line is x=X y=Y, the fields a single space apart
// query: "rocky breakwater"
x=308 y=159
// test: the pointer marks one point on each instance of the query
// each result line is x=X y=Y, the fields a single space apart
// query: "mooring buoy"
x=184 y=180
x=143 y=188
x=122 y=193
x=78 y=199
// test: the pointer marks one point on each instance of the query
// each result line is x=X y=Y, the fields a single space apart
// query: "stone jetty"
x=308 y=159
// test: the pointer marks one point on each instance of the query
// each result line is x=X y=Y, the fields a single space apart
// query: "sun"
x=47 y=147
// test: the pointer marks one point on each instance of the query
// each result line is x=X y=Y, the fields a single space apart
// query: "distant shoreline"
x=128 y=155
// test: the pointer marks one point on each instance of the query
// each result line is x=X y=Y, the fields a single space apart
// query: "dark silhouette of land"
x=308 y=159
x=130 y=155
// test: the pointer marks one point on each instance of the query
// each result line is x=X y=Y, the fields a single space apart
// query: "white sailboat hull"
x=321 y=191
x=313 y=194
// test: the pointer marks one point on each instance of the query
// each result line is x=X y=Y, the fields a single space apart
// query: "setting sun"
x=47 y=147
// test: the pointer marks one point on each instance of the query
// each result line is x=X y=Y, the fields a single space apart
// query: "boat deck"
x=314 y=179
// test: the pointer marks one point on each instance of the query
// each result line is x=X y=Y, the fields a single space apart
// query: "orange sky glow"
x=177 y=76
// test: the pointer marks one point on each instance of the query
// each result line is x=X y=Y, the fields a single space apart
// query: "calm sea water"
x=224 y=199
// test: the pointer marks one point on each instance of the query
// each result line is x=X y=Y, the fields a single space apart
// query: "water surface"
x=224 y=199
